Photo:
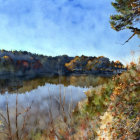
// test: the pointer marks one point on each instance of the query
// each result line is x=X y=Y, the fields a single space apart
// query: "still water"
x=44 y=95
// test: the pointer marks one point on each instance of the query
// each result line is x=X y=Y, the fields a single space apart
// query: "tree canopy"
x=128 y=16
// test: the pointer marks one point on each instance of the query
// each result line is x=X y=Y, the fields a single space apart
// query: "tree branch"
x=135 y=30
x=129 y=38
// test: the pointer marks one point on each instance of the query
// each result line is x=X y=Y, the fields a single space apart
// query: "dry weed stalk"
x=7 y=122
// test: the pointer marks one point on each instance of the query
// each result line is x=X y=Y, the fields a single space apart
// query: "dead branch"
x=129 y=39
x=4 y=118
x=17 y=118
x=135 y=31
x=25 y=119
x=9 y=123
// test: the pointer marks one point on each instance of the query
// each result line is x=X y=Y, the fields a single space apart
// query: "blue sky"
x=57 y=27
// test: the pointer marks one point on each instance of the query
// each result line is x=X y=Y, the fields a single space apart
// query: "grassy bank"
x=114 y=108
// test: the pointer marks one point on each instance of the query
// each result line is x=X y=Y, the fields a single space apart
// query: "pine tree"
x=128 y=16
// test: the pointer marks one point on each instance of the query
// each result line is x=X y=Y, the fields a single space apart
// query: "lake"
x=45 y=95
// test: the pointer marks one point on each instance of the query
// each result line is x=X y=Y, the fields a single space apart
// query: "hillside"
x=112 y=110
x=26 y=64
x=94 y=65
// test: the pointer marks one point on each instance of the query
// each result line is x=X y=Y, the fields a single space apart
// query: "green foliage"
x=98 y=99
x=128 y=14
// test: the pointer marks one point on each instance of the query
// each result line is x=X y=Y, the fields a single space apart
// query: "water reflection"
x=24 y=85
x=42 y=100
x=45 y=95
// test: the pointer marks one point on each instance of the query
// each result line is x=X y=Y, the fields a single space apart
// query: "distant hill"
x=94 y=65
x=26 y=64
